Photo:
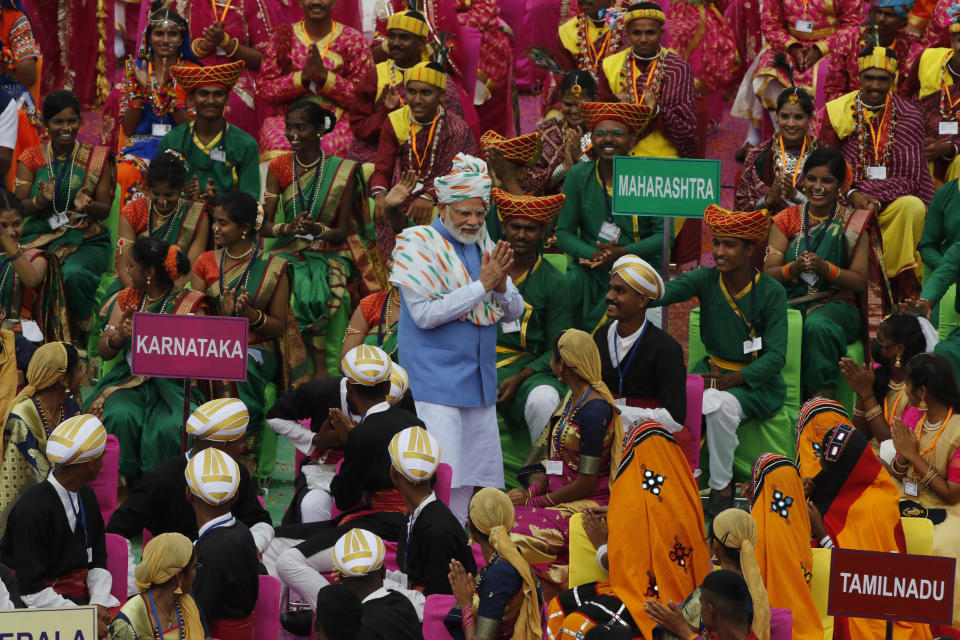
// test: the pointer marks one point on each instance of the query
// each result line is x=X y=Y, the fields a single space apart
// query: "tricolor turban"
x=523 y=150
x=747 y=225
x=222 y=420
x=366 y=365
x=78 y=439
x=635 y=116
x=399 y=383
x=638 y=273
x=468 y=178
x=358 y=552
x=540 y=209
x=213 y=476
x=221 y=75
x=415 y=454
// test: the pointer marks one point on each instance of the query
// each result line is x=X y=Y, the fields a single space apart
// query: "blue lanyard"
x=80 y=516
x=219 y=524
x=156 y=618
x=633 y=352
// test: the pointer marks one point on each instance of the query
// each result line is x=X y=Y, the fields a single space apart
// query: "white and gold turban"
x=399 y=383
x=468 y=178
x=77 y=439
x=366 y=365
x=415 y=454
x=639 y=275
x=213 y=476
x=222 y=420
x=358 y=552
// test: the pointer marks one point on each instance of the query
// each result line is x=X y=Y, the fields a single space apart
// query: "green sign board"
x=671 y=187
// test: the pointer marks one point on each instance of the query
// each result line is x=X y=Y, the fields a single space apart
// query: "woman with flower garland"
x=66 y=188
x=151 y=101
x=254 y=284
x=821 y=252
x=650 y=75
x=318 y=59
x=127 y=403
x=772 y=172
x=315 y=207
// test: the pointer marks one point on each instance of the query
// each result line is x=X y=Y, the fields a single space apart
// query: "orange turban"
x=635 y=116
x=522 y=149
x=221 y=75
x=539 y=209
x=747 y=225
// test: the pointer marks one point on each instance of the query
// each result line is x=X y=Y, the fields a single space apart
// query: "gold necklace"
x=896 y=386
x=239 y=257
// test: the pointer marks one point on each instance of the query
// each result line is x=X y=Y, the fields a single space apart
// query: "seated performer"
x=642 y=365
x=318 y=59
x=881 y=136
x=936 y=286
x=361 y=489
x=420 y=136
x=158 y=502
x=743 y=325
x=339 y=614
x=226 y=587
x=382 y=89
x=726 y=608
x=433 y=537
x=665 y=86
x=54 y=376
x=821 y=253
x=509 y=599
x=587 y=230
x=771 y=177
x=221 y=157
x=941 y=228
x=886 y=27
x=935 y=72
x=54 y=539
x=527 y=391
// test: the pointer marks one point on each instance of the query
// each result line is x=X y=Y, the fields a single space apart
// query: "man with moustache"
x=641 y=364
x=587 y=230
x=882 y=135
x=455 y=287
x=220 y=157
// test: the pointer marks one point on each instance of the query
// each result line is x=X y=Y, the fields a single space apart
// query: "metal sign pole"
x=667 y=223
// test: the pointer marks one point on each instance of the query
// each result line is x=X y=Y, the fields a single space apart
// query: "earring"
x=898 y=362
x=148 y=281
x=244 y=235
x=923 y=404
x=179 y=590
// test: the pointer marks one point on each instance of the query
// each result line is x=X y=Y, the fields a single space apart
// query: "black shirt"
x=437 y=538
x=227 y=583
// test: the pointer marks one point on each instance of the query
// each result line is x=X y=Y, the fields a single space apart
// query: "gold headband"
x=407 y=23
x=650 y=14
x=423 y=73
x=878 y=59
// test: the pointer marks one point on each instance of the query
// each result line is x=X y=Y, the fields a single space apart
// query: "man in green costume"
x=221 y=157
x=587 y=230
x=743 y=325
x=527 y=391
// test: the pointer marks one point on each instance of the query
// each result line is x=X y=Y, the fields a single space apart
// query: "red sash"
x=232 y=629
x=72 y=586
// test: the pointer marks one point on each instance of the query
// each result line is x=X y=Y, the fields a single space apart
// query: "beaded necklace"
x=948 y=105
x=393 y=80
x=883 y=137
x=157 y=632
x=48 y=158
x=162 y=100
x=436 y=127
x=589 y=56
x=145 y=300
x=169 y=224
x=305 y=204
x=566 y=418
x=242 y=282
x=654 y=81
x=787 y=161
x=47 y=428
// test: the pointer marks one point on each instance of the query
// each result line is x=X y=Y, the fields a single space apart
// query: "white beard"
x=459 y=236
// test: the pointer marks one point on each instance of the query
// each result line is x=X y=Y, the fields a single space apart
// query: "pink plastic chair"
x=694 y=418
x=107 y=482
x=117 y=565
x=146 y=537
x=266 y=613
x=435 y=609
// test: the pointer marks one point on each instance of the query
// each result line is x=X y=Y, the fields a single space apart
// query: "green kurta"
x=723 y=333
x=941 y=230
x=937 y=284
x=829 y=324
x=241 y=170
x=545 y=315
x=578 y=230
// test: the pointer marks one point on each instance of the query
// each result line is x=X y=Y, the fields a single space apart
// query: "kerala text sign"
x=891 y=586
x=201 y=347
x=672 y=187
x=60 y=623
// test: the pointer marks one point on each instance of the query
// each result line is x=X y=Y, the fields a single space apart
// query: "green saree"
x=82 y=245
x=46 y=304
x=145 y=413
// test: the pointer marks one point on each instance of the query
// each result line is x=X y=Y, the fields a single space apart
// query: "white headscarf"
x=415 y=454
x=222 y=420
x=358 y=552
x=468 y=178
x=638 y=273
x=366 y=365
x=213 y=476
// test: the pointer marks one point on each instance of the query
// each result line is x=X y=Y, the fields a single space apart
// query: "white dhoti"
x=723 y=413
x=541 y=402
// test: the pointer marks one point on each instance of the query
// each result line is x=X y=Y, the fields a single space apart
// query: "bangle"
x=601 y=554
x=197 y=49
x=260 y=321
x=927 y=479
x=468 y=619
x=236 y=45
x=833 y=271
x=859 y=413
x=873 y=413
x=896 y=467
x=787 y=275
x=427 y=196
x=847 y=194
x=35 y=203
x=226 y=39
